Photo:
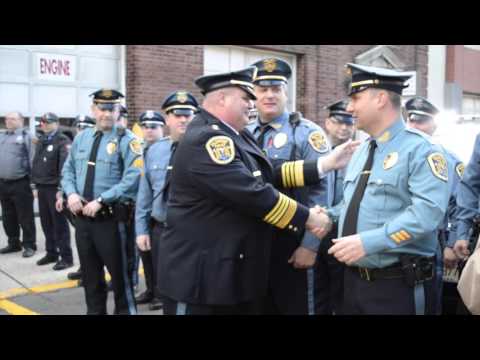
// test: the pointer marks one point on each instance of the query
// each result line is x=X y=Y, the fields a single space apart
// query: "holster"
x=124 y=212
x=417 y=269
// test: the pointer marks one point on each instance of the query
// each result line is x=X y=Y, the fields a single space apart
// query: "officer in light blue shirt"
x=396 y=193
x=151 y=212
x=421 y=116
x=285 y=136
x=100 y=174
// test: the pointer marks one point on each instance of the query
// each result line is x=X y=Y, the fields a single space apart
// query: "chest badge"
x=19 y=140
x=49 y=148
x=318 y=142
x=390 y=160
x=111 y=147
x=280 y=140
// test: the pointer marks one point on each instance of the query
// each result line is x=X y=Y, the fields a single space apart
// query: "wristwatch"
x=100 y=200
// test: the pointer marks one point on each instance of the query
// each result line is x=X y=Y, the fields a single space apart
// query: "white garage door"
x=218 y=59
x=35 y=79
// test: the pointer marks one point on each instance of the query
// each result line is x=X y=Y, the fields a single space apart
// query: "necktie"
x=351 y=218
x=90 y=178
x=263 y=131
x=169 y=172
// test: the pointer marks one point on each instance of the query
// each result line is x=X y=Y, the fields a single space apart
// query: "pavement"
x=46 y=292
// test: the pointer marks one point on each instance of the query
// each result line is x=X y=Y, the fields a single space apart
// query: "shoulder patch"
x=221 y=149
x=438 y=164
x=136 y=146
x=318 y=141
x=460 y=169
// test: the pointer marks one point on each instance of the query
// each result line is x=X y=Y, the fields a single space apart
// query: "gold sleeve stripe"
x=278 y=207
x=395 y=238
x=405 y=234
x=284 y=174
x=282 y=213
x=401 y=236
x=289 y=214
x=299 y=179
x=291 y=175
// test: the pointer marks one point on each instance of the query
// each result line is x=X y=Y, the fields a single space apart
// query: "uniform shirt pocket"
x=383 y=189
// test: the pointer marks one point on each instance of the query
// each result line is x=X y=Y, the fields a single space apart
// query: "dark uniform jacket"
x=216 y=245
x=50 y=155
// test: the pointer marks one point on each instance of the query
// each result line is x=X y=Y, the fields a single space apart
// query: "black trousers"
x=382 y=296
x=54 y=224
x=16 y=198
x=150 y=260
x=103 y=243
x=328 y=282
x=172 y=307
x=132 y=252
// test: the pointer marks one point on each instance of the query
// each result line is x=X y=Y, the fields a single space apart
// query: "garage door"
x=35 y=79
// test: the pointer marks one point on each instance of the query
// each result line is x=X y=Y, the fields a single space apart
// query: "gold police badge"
x=182 y=97
x=221 y=149
x=107 y=93
x=438 y=164
x=111 y=147
x=460 y=168
x=136 y=146
x=390 y=160
x=270 y=65
x=318 y=141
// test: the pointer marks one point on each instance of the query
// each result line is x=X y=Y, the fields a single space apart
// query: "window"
x=218 y=59
x=471 y=104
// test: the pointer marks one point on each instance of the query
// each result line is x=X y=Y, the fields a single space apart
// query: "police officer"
x=81 y=123
x=101 y=171
x=179 y=108
x=340 y=127
x=395 y=198
x=285 y=136
x=421 y=116
x=215 y=249
x=16 y=195
x=50 y=155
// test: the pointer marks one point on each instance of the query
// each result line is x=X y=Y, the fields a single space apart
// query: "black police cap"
x=106 y=99
x=272 y=71
x=152 y=117
x=49 y=117
x=242 y=79
x=180 y=103
x=338 y=110
x=364 y=77
x=420 y=109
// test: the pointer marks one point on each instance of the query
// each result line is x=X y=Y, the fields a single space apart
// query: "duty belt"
x=392 y=272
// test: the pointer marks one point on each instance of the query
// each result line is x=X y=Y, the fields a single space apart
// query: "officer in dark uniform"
x=421 y=116
x=340 y=126
x=284 y=137
x=215 y=250
x=16 y=195
x=179 y=108
x=50 y=154
x=395 y=198
x=101 y=172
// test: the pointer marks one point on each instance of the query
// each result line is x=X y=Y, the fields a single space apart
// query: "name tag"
x=257 y=173
x=169 y=167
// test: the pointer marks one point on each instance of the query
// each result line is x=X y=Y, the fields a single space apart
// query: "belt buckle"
x=365 y=273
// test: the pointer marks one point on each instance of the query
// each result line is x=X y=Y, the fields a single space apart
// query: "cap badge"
x=270 y=65
x=182 y=97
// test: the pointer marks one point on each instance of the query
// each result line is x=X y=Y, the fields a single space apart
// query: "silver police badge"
x=280 y=140
x=390 y=160
x=19 y=139
x=49 y=148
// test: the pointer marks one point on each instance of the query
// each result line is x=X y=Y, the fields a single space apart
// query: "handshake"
x=318 y=222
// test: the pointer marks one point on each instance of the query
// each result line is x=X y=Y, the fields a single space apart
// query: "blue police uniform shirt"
x=278 y=145
x=117 y=169
x=468 y=194
x=405 y=200
x=150 y=200
x=339 y=175
x=17 y=154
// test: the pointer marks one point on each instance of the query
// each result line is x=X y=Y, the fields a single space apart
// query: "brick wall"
x=155 y=70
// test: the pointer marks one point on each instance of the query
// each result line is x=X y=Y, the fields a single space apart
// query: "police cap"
x=180 y=103
x=242 y=79
x=272 y=71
